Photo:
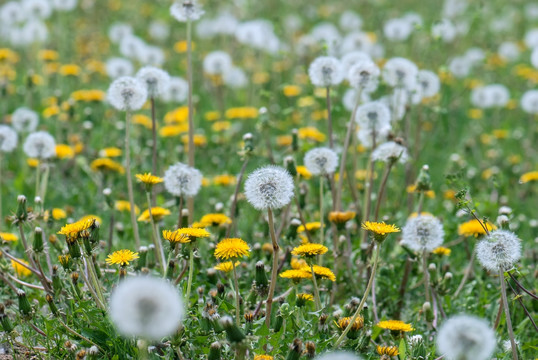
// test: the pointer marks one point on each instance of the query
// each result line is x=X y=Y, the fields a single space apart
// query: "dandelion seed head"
x=217 y=63
x=352 y=58
x=8 y=139
x=186 y=10
x=373 y=117
x=529 y=102
x=127 y=93
x=397 y=29
x=499 y=250
x=400 y=72
x=40 y=145
x=338 y=355
x=24 y=120
x=390 y=151
x=326 y=71
x=321 y=161
x=64 y=5
x=269 y=187
x=176 y=90
x=36 y=9
x=146 y=307
x=364 y=75
x=156 y=80
x=423 y=232
x=182 y=180
x=467 y=337
x=428 y=84
x=118 y=67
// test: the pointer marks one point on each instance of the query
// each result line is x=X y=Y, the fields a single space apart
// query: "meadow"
x=264 y=180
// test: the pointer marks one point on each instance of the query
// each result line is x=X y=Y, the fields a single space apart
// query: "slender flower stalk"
x=190 y=201
x=507 y=316
x=191 y=273
x=129 y=179
x=316 y=290
x=382 y=189
x=329 y=118
x=237 y=300
x=274 y=270
x=155 y=235
x=321 y=213
x=153 y=142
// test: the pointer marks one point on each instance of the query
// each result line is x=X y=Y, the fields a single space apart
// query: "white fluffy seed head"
x=118 y=67
x=400 y=72
x=499 y=251
x=529 y=102
x=40 y=145
x=217 y=63
x=8 y=139
x=326 y=71
x=155 y=79
x=24 y=120
x=338 y=355
x=428 y=84
x=269 y=187
x=182 y=180
x=364 y=75
x=466 y=337
x=176 y=90
x=321 y=161
x=127 y=93
x=423 y=232
x=186 y=10
x=373 y=117
x=390 y=151
x=146 y=307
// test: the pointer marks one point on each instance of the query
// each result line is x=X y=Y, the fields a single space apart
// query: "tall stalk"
x=507 y=316
x=154 y=145
x=236 y=285
x=191 y=272
x=329 y=118
x=316 y=290
x=274 y=271
x=190 y=201
x=129 y=177
x=155 y=235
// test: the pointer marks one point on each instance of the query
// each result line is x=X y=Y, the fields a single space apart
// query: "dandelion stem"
x=43 y=186
x=190 y=201
x=37 y=173
x=1 y=178
x=382 y=189
x=93 y=276
x=236 y=285
x=91 y=287
x=321 y=215
x=466 y=274
x=154 y=137
x=276 y=248
x=155 y=235
x=329 y=118
x=129 y=180
x=236 y=194
x=191 y=272
x=40 y=274
x=507 y=315
x=180 y=216
x=316 y=290
x=364 y=297
x=79 y=335
x=426 y=274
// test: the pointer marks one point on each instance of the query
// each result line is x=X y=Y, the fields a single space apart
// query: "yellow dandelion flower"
x=311 y=133
x=232 y=248
x=110 y=152
x=157 y=212
x=413 y=188
x=305 y=297
x=19 y=269
x=344 y=322
x=341 y=217
x=387 y=350
x=149 y=179
x=474 y=228
x=91 y=218
x=212 y=115
x=8 y=237
x=441 y=250
x=58 y=214
x=379 y=228
x=322 y=272
x=173 y=130
x=284 y=140
x=297 y=263
x=199 y=140
x=143 y=120
x=124 y=205
x=291 y=90
x=529 y=176
x=263 y=357
x=219 y=126
x=296 y=274
x=310 y=250
x=74 y=229
x=311 y=226
x=121 y=257
x=185 y=235
x=245 y=112
x=304 y=172
x=261 y=77
x=306 y=101
x=64 y=151
x=105 y=164
x=70 y=70
x=395 y=325
x=226 y=266
x=215 y=219
x=224 y=180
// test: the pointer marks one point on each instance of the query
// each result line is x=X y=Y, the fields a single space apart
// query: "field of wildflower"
x=329 y=180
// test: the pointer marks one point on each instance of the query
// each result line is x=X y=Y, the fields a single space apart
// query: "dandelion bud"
x=432 y=267
x=423 y=180
x=22 y=214
x=249 y=143
x=74 y=249
x=233 y=333
x=220 y=289
x=428 y=312
x=310 y=349
x=214 y=351
x=150 y=256
x=294 y=140
x=170 y=269
x=322 y=325
x=70 y=346
x=4 y=320
x=296 y=350
x=261 y=278
x=503 y=221
x=52 y=305
x=289 y=164
x=65 y=261
x=24 y=304
x=94 y=350
x=81 y=355
x=38 y=240
x=56 y=281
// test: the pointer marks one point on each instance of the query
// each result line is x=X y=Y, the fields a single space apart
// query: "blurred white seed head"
x=400 y=72
x=182 y=180
x=155 y=80
x=186 y=10
x=8 y=139
x=146 y=307
x=40 y=145
x=127 y=93
x=64 y=5
x=321 y=161
x=499 y=251
x=465 y=337
x=217 y=63
x=338 y=355
x=118 y=67
x=364 y=75
x=118 y=31
x=24 y=120
x=373 y=118
x=269 y=187
x=389 y=152
x=176 y=90
x=423 y=232
x=529 y=102
x=326 y=71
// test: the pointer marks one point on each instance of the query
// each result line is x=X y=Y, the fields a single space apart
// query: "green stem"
x=329 y=118
x=364 y=297
x=507 y=316
x=274 y=270
x=191 y=272
x=321 y=220
x=95 y=280
x=129 y=179
x=190 y=201
x=316 y=290
x=236 y=285
x=426 y=275
x=155 y=236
